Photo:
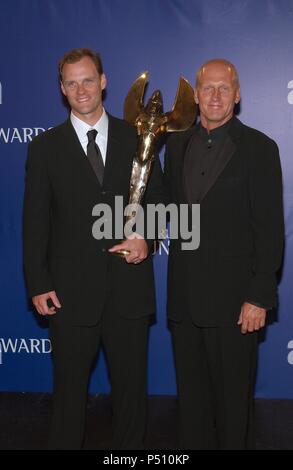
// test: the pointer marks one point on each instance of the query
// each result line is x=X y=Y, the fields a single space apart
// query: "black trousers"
x=74 y=351
x=215 y=371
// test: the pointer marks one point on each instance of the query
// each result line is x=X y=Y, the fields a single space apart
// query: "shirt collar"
x=215 y=134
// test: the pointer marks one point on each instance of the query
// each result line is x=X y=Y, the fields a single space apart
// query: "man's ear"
x=103 y=81
x=195 y=96
x=238 y=96
x=63 y=89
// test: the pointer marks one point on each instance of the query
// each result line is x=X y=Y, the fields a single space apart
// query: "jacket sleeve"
x=267 y=223
x=36 y=221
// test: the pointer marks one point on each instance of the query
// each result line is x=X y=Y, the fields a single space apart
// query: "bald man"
x=219 y=294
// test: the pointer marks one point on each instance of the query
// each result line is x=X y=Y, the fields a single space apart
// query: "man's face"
x=82 y=85
x=216 y=95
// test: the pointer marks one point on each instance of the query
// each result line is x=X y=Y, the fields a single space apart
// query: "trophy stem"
x=121 y=253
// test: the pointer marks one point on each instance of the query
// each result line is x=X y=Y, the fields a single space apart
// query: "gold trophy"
x=151 y=122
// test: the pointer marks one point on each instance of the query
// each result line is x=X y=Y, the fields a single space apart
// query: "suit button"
x=103 y=250
x=202 y=173
x=103 y=193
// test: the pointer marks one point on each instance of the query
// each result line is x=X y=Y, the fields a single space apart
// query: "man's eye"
x=70 y=85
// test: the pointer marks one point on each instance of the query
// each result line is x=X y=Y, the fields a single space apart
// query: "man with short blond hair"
x=219 y=294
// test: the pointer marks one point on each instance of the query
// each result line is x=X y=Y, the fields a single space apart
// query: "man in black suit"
x=90 y=295
x=219 y=294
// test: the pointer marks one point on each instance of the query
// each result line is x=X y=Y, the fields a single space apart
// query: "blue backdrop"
x=167 y=38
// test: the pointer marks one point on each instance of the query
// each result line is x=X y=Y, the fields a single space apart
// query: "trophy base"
x=121 y=253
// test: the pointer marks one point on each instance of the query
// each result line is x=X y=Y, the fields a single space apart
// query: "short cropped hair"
x=222 y=61
x=77 y=54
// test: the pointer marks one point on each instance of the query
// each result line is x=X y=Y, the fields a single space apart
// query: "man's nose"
x=80 y=89
x=216 y=94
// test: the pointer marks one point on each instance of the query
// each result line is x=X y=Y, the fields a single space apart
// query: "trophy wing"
x=183 y=113
x=133 y=103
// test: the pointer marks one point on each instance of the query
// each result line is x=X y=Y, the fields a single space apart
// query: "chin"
x=216 y=118
x=83 y=110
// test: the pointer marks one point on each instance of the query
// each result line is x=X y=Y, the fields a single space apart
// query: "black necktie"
x=94 y=155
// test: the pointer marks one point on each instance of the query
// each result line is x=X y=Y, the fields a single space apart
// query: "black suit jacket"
x=60 y=252
x=241 y=229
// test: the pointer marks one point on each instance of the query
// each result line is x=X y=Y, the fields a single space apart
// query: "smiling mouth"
x=82 y=100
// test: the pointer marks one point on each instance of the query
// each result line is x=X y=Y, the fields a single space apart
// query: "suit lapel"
x=113 y=151
x=187 y=173
x=183 y=151
x=76 y=153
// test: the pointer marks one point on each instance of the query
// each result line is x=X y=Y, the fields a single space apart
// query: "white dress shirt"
x=81 y=128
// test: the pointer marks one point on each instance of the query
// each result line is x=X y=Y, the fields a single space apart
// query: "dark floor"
x=25 y=418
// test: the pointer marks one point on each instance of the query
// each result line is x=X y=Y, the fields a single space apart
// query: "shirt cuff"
x=257 y=304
